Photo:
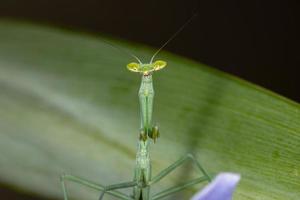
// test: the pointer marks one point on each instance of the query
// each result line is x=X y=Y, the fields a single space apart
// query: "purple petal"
x=221 y=188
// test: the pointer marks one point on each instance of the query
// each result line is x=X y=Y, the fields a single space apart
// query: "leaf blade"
x=66 y=99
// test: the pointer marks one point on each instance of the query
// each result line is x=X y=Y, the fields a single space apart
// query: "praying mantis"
x=142 y=180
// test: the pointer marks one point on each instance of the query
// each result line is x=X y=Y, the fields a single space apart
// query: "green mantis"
x=143 y=180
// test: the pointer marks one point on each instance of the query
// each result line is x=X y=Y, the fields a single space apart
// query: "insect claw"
x=143 y=135
x=154 y=133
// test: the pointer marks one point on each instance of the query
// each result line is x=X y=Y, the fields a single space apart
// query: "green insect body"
x=142 y=173
x=142 y=180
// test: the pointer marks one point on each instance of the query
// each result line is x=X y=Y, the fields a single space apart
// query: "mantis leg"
x=176 y=164
x=109 y=188
x=75 y=179
x=171 y=168
x=178 y=188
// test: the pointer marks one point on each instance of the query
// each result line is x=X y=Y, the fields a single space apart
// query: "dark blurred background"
x=255 y=40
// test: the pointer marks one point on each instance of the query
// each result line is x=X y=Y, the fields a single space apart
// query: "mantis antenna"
x=173 y=36
x=155 y=54
x=123 y=51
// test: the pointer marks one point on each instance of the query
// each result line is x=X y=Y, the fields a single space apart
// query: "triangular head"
x=146 y=69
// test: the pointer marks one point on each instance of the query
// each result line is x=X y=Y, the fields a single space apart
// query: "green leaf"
x=68 y=104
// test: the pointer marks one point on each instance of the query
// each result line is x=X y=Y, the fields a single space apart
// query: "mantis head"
x=146 y=69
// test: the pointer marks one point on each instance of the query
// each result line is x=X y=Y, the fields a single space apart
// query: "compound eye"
x=159 y=64
x=134 y=67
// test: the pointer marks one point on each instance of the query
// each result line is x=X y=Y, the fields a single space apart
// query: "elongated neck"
x=146 y=96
